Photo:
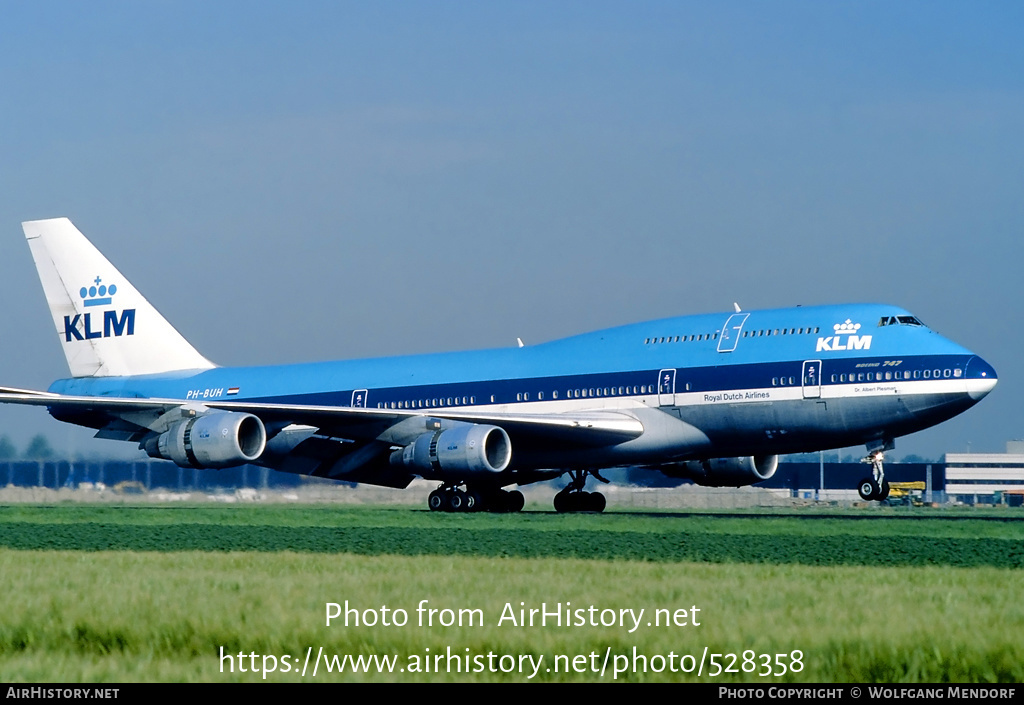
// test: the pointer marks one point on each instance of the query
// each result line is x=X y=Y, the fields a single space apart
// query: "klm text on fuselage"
x=853 y=342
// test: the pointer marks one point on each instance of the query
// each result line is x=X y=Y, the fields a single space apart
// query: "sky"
x=305 y=181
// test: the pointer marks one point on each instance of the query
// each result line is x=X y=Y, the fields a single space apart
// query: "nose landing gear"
x=876 y=487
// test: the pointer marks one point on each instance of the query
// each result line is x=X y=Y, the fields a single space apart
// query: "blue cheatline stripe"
x=703 y=379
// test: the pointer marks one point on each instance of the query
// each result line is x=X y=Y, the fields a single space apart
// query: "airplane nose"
x=980 y=377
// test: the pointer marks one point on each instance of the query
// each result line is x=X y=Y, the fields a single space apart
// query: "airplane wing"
x=396 y=426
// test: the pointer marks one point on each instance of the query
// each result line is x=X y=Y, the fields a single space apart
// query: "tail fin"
x=107 y=328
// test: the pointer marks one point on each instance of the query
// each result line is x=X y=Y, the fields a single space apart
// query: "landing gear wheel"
x=436 y=501
x=884 y=493
x=450 y=498
x=570 y=501
x=867 y=489
x=563 y=502
x=514 y=501
x=456 y=501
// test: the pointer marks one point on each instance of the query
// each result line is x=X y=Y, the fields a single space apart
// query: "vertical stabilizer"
x=106 y=327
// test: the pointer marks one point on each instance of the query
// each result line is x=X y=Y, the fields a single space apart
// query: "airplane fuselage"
x=715 y=385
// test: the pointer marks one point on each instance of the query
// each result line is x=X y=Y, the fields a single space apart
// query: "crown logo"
x=98 y=294
x=846 y=328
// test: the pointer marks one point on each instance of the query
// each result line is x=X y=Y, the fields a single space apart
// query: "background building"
x=987 y=478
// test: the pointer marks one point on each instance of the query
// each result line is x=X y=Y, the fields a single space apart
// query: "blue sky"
x=318 y=180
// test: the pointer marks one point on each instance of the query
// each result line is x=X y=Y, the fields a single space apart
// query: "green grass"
x=810 y=540
x=98 y=603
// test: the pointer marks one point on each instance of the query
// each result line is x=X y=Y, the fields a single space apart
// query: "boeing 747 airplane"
x=714 y=398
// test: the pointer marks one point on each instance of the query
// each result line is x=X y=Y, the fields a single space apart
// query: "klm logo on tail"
x=80 y=327
x=845 y=338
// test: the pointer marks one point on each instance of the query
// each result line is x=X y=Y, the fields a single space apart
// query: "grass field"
x=138 y=594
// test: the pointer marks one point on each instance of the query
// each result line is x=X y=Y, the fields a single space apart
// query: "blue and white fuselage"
x=787 y=385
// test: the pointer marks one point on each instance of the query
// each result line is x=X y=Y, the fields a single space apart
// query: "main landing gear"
x=875 y=487
x=574 y=499
x=449 y=498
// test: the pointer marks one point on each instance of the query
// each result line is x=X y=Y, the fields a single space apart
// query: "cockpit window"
x=899 y=321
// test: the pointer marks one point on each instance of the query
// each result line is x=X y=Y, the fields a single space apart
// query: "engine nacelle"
x=463 y=449
x=218 y=440
x=728 y=472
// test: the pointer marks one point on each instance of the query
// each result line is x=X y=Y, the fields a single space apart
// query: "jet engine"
x=727 y=472
x=217 y=440
x=466 y=448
